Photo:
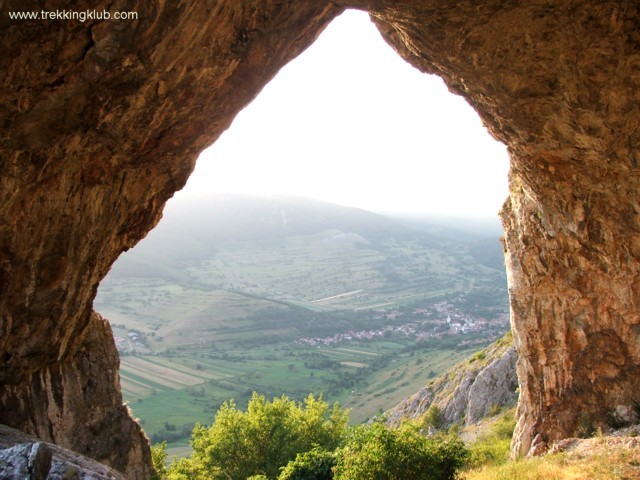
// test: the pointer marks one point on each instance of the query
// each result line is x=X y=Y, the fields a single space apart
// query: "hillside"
x=285 y=295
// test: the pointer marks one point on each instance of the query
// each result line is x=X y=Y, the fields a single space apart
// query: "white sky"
x=352 y=123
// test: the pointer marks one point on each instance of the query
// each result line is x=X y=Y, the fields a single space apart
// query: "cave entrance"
x=348 y=123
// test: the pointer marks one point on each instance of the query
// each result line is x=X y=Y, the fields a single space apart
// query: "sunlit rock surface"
x=101 y=121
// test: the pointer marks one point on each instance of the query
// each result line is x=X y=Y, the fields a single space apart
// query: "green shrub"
x=506 y=339
x=585 y=428
x=433 y=417
x=159 y=460
x=376 y=452
x=479 y=355
x=494 y=410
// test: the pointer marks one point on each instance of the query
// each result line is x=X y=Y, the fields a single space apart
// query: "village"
x=133 y=343
x=442 y=320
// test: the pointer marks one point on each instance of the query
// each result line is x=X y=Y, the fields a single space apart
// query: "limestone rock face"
x=495 y=385
x=101 y=122
x=467 y=392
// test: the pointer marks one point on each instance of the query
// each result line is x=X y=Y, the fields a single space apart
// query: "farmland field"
x=169 y=397
x=345 y=304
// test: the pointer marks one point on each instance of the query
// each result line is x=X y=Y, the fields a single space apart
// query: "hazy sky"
x=350 y=122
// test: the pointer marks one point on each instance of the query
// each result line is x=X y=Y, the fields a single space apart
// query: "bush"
x=494 y=410
x=314 y=465
x=308 y=441
x=433 y=418
x=376 y=452
x=479 y=355
x=585 y=428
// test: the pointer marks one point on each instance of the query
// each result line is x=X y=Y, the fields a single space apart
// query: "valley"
x=292 y=296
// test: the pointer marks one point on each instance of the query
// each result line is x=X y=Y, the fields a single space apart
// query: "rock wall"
x=101 y=121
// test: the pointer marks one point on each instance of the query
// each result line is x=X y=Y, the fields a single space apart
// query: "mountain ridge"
x=193 y=227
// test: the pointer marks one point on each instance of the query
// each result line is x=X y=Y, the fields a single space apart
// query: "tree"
x=261 y=440
x=377 y=452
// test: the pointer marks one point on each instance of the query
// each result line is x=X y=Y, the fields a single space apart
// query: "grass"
x=156 y=410
x=396 y=381
x=132 y=377
x=300 y=270
x=357 y=352
x=600 y=460
x=167 y=371
x=618 y=465
x=492 y=446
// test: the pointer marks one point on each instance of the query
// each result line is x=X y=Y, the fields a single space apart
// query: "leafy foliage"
x=585 y=428
x=314 y=465
x=377 y=452
x=159 y=460
x=433 y=417
x=287 y=440
x=261 y=440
